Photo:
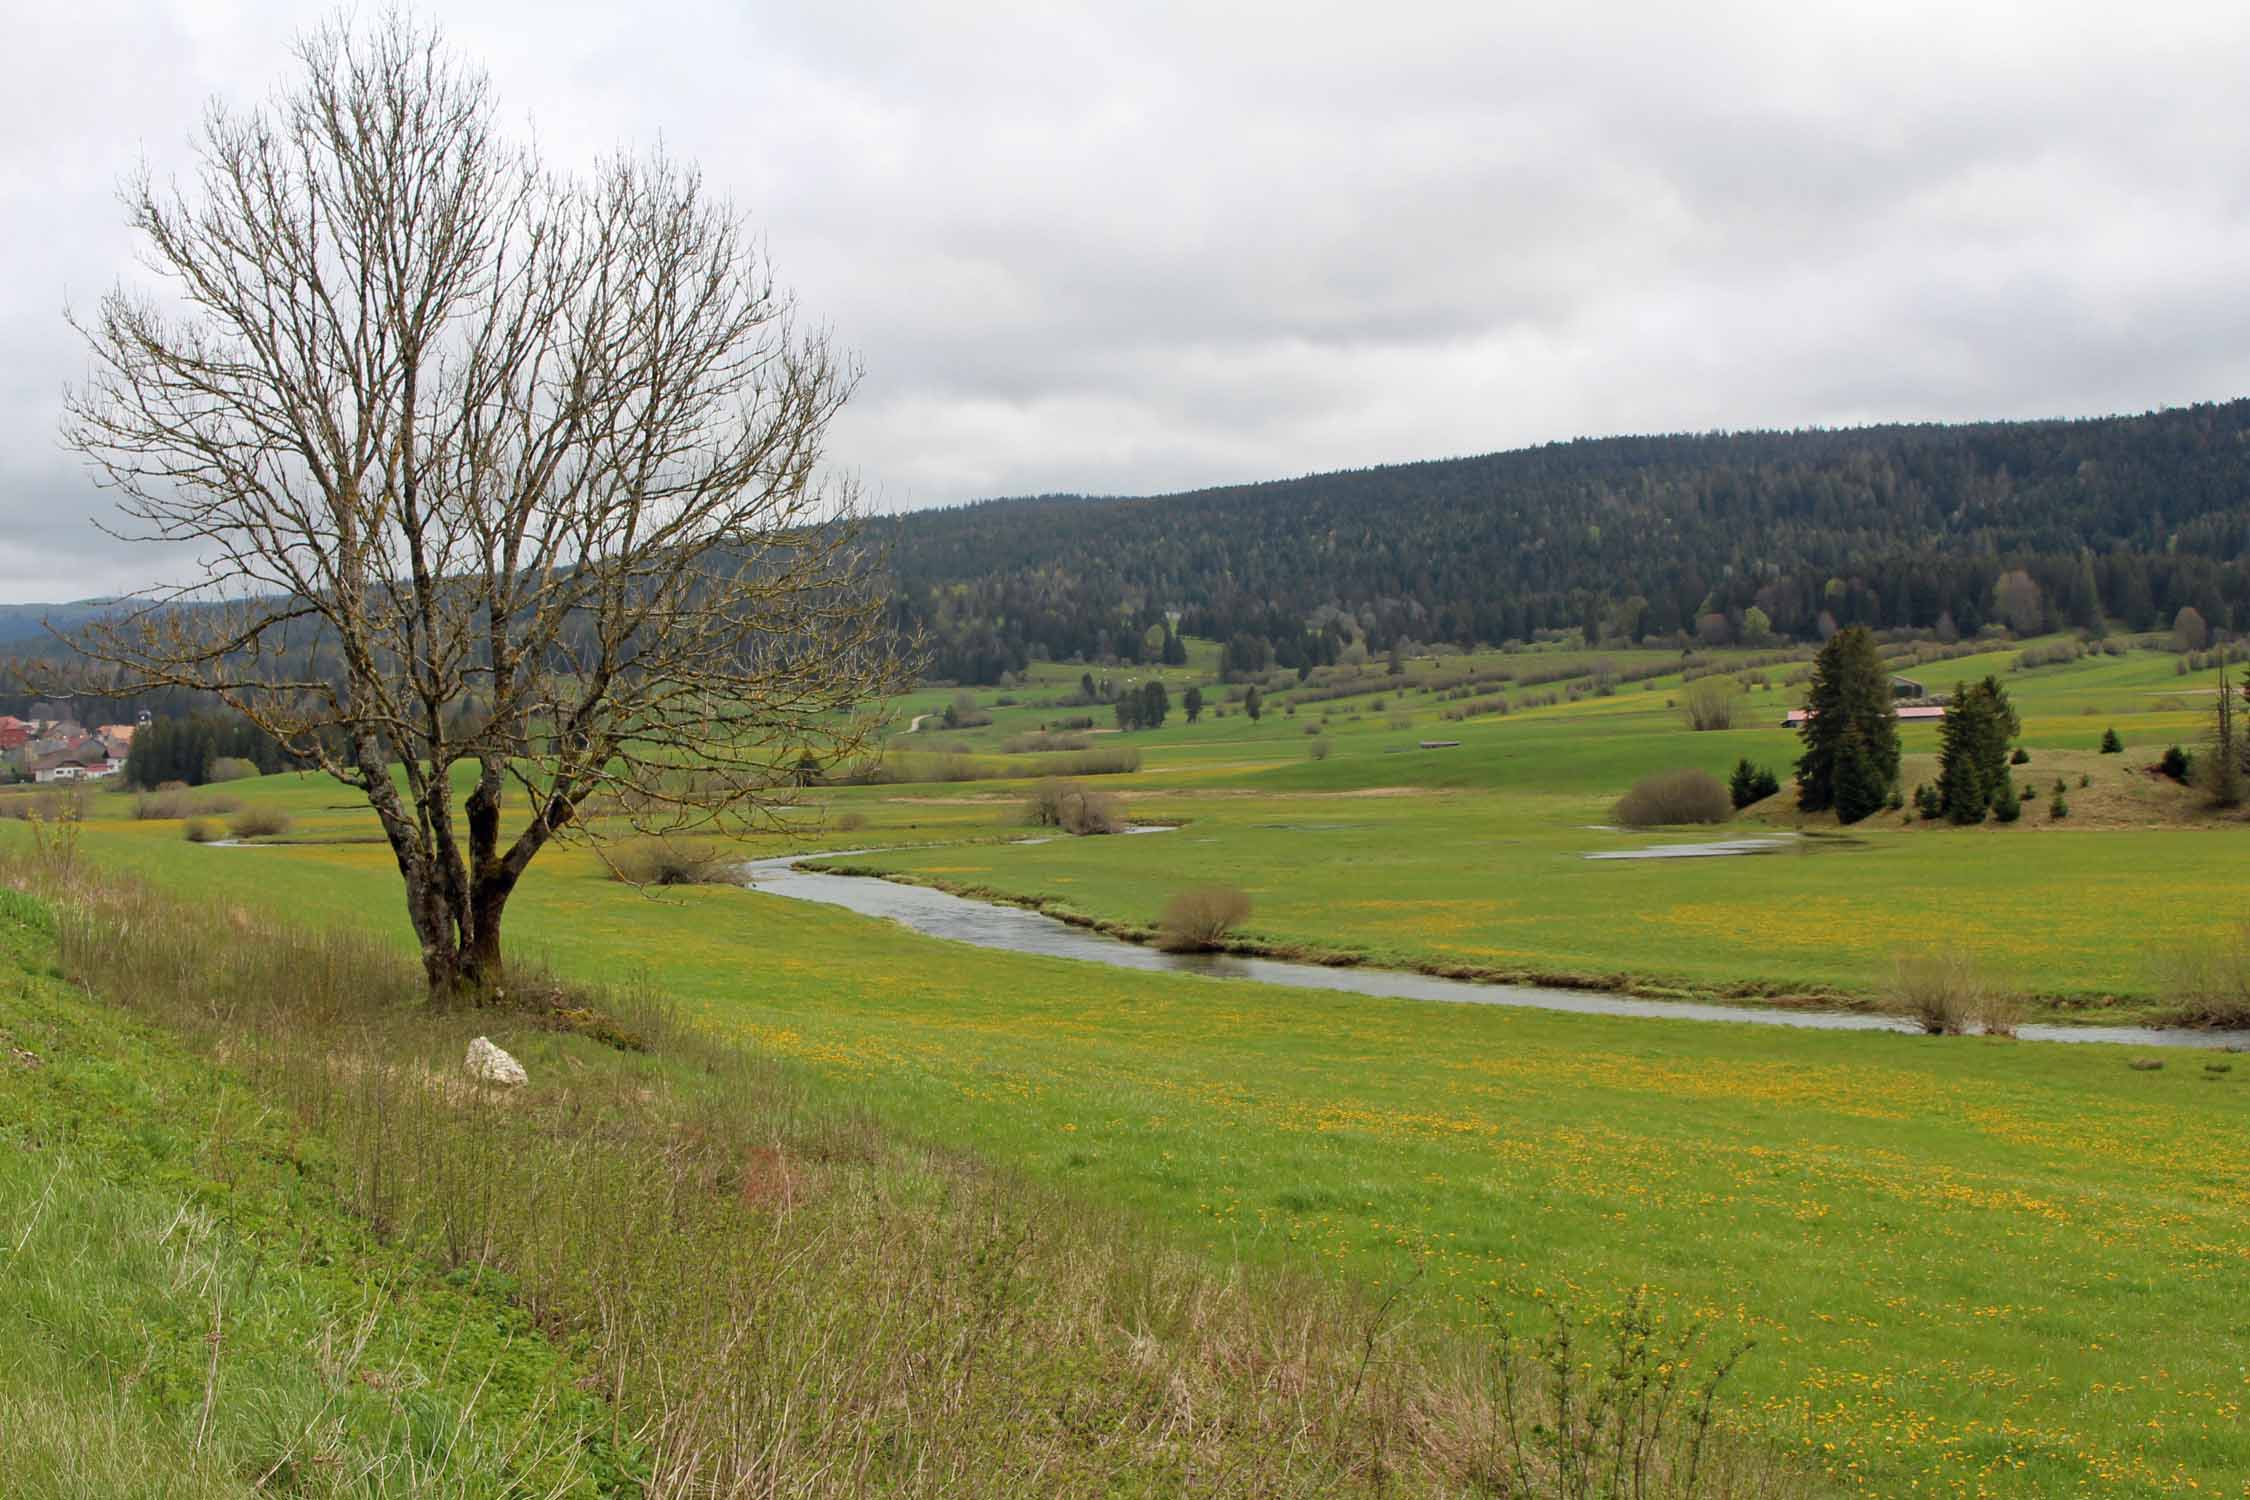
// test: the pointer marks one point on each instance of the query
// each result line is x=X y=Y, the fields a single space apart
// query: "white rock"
x=488 y=1064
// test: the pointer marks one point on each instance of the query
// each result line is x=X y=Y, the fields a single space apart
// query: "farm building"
x=1913 y=713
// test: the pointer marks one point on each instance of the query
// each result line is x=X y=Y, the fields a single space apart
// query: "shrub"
x=1940 y=992
x=1673 y=797
x=1708 y=703
x=200 y=830
x=1999 y=1013
x=65 y=806
x=2058 y=809
x=1073 y=809
x=2207 y=980
x=1751 y=783
x=852 y=822
x=1318 y=749
x=232 y=768
x=1928 y=803
x=175 y=802
x=1195 y=921
x=2022 y=757
x=1042 y=741
x=2111 y=744
x=670 y=861
x=2177 y=764
x=2007 y=807
x=257 y=822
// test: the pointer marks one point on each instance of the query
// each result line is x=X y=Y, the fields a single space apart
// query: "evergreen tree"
x=2221 y=765
x=1862 y=785
x=1175 y=652
x=1849 y=705
x=1253 y=704
x=1974 y=744
x=2007 y=806
x=1192 y=702
x=1156 y=705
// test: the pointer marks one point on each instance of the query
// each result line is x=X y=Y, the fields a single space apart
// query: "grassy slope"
x=185 y=1308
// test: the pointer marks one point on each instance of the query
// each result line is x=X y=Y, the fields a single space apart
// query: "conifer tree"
x=1850 y=730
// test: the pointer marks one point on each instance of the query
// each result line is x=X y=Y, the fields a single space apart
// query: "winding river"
x=1013 y=929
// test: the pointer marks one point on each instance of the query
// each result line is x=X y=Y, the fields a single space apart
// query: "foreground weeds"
x=775 y=1297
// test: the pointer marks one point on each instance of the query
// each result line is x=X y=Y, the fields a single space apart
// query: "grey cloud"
x=1140 y=247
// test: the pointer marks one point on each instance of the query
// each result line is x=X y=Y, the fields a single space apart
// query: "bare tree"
x=503 y=482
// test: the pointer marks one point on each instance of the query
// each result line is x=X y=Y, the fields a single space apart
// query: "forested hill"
x=2124 y=518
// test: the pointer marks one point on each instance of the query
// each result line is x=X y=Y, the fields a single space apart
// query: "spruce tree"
x=2222 y=765
x=1862 y=786
x=2007 y=806
x=1974 y=744
x=1849 y=704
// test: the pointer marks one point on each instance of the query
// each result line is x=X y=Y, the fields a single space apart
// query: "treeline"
x=192 y=749
x=1722 y=538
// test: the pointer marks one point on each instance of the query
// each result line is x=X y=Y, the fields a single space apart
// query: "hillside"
x=2129 y=517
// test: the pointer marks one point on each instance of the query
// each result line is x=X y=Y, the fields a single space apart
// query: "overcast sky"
x=1130 y=248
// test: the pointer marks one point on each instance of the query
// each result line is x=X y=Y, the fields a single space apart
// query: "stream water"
x=1013 y=929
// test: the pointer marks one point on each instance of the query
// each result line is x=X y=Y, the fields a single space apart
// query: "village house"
x=85 y=761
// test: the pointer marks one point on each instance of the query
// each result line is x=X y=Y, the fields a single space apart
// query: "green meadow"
x=1968 y=1266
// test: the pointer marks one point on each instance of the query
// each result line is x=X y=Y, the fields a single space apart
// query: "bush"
x=232 y=768
x=2007 y=807
x=1318 y=749
x=2111 y=744
x=1673 y=797
x=2177 y=764
x=201 y=830
x=852 y=822
x=1940 y=992
x=1751 y=783
x=1073 y=809
x=2207 y=980
x=1708 y=703
x=2022 y=757
x=168 y=803
x=1042 y=742
x=257 y=822
x=1999 y=1013
x=670 y=861
x=1195 y=921
x=1928 y=803
x=2058 y=809
x=65 y=806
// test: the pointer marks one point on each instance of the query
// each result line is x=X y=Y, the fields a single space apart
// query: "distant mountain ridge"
x=1905 y=526
x=2127 y=518
x=21 y=623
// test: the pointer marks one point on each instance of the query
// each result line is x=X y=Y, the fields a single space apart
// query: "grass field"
x=1972 y=1267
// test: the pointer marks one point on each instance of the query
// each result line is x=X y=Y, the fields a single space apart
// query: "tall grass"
x=777 y=1296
